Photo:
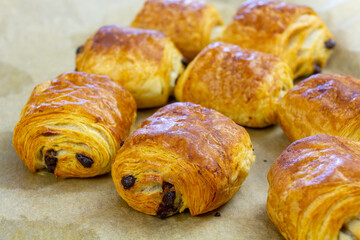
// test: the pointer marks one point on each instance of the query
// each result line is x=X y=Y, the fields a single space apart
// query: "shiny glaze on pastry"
x=293 y=32
x=73 y=125
x=322 y=104
x=146 y=62
x=183 y=156
x=244 y=85
x=190 y=24
x=314 y=189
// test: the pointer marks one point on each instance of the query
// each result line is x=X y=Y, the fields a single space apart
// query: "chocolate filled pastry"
x=245 y=85
x=190 y=24
x=293 y=32
x=322 y=104
x=183 y=156
x=74 y=124
x=146 y=62
x=314 y=189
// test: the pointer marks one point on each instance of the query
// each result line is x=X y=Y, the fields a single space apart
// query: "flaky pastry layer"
x=245 y=85
x=146 y=62
x=73 y=125
x=314 y=190
x=190 y=24
x=293 y=32
x=183 y=156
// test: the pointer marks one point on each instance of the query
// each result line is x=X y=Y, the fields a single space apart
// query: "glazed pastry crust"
x=75 y=113
x=144 y=61
x=322 y=104
x=315 y=187
x=293 y=32
x=188 y=23
x=202 y=153
x=244 y=85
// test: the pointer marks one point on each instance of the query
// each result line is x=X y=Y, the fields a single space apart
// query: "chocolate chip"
x=128 y=181
x=84 y=160
x=169 y=198
x=184 y=62
x=122 y=143
x=317 y=68
x=265 y=160
x=80 y=49
x=330 y=43
x=217 y=214
x=75 y=70
x=50 y=160
x=199 y=172
x=177 y=78
x=166 y=207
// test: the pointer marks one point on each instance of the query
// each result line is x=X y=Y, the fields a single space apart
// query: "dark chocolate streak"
x=122 y=143
x=184 y=62
x=50 y=160
x=317 y=68
x=166 y=207
x=84 y=160
x=128 y=181
x=80 y=49
x=330 y=43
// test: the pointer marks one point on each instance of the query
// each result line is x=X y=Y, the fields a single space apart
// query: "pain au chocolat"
x=245 y=85
x=314 y=189
x=322 y=104
x=74 y=124
x=291 y=31
x=190 y=24
x=146 y=62
x=183 y=156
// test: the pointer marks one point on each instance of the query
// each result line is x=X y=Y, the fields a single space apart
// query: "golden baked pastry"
x=74 y=124
x=190 y=24
x=244 y=85
x=293 y=32
x=314 y=189
x=144 y=61
x=322 y=104
x=183 y=156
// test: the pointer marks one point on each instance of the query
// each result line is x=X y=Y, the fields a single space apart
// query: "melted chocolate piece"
x=128 y=181
x=50 y=160
x=317 y=68
x=329 y=44
x=84 y=160
x=184 y=62
x=177 y=78
x=80 y=49
x=122 y=143
x=167 y=207
x=217 y=214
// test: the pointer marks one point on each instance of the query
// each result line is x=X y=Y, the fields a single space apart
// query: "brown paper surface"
x=37 y=42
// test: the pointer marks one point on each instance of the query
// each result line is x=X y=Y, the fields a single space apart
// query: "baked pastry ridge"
x=294 y=32
x=245 y=85
x=73 y=125
x=322 y=104
x=146 y=62
x=190 y=24
x=183 y=156
x=314 y=189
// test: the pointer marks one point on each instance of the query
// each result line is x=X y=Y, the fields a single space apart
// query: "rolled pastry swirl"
x=146 y=62
x=314 y=189
x=322 y=104
x=183 y=156
x=245 y=85
x=190 y=24
x=293 y=32
x=73 y=125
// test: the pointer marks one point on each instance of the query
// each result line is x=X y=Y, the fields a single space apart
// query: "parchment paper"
x=38 y=39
